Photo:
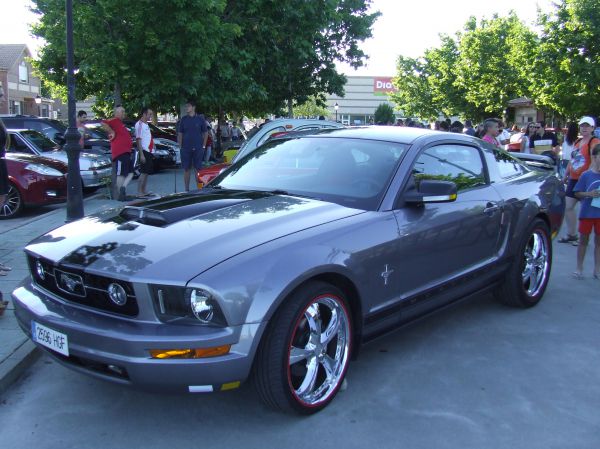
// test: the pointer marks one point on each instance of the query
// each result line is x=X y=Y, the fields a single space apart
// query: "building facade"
x=22 y=92
x=362 y=96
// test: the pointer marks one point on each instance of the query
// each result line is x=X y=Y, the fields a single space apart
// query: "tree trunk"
x=290 y=98
x=117 y=95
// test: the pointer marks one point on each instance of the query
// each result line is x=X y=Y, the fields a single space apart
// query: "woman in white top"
x=568 y=146
x=529 y=132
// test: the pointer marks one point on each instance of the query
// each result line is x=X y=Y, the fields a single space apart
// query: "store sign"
x=383 y=86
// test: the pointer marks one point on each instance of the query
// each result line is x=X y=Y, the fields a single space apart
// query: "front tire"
x=303 y=358
x=527 y=278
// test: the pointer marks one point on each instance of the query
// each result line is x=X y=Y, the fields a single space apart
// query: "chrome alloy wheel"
x=319 y=350
x=535 y=270
x=13 y=203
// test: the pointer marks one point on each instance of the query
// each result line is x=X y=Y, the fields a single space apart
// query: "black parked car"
x=55 y=130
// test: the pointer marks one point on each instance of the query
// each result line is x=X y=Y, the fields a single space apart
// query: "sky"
x=405 y=27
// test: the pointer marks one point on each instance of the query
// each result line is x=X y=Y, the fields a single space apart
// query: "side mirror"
x=432 y=191
x=59 y=138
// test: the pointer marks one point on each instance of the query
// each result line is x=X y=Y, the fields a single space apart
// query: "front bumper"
x=96 y=178
x=117 y=349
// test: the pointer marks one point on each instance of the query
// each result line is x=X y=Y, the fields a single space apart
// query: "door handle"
x=491 y=207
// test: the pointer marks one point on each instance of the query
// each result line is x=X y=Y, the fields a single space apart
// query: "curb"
x=16 y=364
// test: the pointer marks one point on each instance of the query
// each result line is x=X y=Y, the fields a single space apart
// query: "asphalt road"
x=478 y=375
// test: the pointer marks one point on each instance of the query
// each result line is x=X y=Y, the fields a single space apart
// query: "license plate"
x=50 y=338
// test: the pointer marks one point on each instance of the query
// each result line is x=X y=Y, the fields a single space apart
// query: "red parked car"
x=33 y=181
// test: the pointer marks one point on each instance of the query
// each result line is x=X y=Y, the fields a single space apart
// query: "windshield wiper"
x=285 y=192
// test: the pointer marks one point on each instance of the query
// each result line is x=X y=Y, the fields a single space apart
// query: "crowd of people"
x=578 y=161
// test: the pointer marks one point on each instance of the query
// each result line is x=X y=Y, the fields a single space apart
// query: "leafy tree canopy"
x=384 y=114
x=241 y=57
x=566 y=70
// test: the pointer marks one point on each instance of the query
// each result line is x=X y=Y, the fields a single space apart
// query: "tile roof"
x=10 y=53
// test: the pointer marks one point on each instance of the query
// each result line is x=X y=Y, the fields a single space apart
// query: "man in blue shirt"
x=192 y=135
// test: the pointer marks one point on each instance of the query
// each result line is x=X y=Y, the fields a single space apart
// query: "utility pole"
x=74 y=188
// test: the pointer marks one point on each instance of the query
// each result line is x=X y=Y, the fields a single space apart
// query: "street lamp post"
x=74 y=188
x=336 y=107
x=38 y=101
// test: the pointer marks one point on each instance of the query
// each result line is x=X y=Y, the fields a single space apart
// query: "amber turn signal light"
x=198 y=353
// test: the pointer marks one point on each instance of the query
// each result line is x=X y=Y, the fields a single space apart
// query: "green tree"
x=122 y=59
x=473 y=74
x=494 y=63
x=313 y=107
x=414 y=97
x=384 y=114
x=242 y=57
x=566 y=75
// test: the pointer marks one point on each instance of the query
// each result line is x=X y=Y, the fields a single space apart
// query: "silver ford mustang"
x=287 y=262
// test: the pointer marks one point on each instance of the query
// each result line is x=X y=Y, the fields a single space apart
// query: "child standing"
x=587 y=190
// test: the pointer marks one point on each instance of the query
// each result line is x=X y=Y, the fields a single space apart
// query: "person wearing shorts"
x=145 y=146
x=587 y=190
x=120 y=148
x=579 y=163
x=191 y=137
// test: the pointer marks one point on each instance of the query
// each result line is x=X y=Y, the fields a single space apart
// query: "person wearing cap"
x=580 y=162
x=587 y=190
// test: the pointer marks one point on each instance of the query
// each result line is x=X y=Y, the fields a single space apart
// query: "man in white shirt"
x=503 y=136
x=145 y=146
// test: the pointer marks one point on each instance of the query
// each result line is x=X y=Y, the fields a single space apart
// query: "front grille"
x=82 y=288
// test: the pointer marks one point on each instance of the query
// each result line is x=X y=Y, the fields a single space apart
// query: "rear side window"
x=17 y=145
x=508 y=166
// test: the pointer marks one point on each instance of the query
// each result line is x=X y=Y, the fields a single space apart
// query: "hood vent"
x=161 y=216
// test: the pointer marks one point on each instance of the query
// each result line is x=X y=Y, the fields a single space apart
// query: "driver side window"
x=457 y=163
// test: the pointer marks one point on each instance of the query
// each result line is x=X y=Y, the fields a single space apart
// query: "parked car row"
x=33 y=181
x=44 y=137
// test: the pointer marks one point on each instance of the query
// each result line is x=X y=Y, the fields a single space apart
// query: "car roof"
x=300 y=121
x=20 y=130
x=398 y=134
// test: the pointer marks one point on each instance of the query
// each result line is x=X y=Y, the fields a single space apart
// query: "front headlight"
x=97 y=163
x=43 y=170
x=161 y=152
x=193 y=305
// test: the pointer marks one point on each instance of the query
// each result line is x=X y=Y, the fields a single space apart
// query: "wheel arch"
x=343 y=283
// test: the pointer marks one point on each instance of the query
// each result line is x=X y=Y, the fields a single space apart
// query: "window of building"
x=16 y=107
x=23 y=73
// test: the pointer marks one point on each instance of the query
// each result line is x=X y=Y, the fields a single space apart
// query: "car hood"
x=34 y=159
x=175 y=238
x=85 y=159
x=213 y=169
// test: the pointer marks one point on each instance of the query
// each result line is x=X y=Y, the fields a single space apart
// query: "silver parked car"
x=95 y=169
x=259 y=135
x=292 y=258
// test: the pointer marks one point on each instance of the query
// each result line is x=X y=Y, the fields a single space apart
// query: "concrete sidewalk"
x=17 y=352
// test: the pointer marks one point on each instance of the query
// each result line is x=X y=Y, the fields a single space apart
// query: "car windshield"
x=40 y=141
x=351 y=172
x=58 y=125
x=96 y=131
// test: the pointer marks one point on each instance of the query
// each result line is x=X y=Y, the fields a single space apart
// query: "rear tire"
x=527 y=277
x=302 y=360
